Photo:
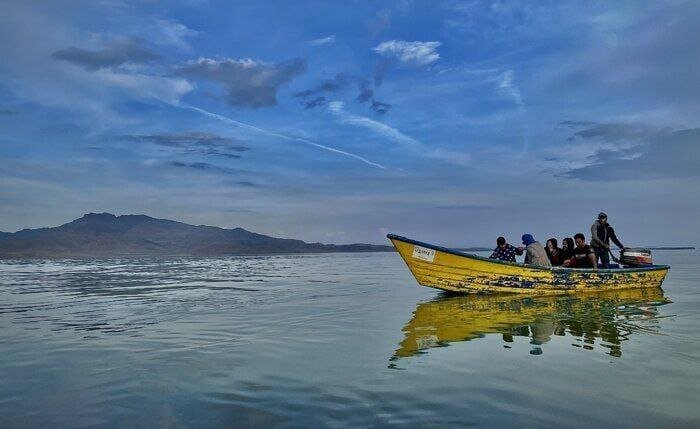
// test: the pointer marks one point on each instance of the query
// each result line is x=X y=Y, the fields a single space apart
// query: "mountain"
x=107 y=235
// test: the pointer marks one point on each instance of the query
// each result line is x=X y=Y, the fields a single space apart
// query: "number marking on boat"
x=423 y=253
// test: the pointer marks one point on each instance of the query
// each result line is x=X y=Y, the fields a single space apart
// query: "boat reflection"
x=604 y=319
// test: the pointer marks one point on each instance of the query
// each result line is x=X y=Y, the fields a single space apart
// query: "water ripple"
x=331 y=340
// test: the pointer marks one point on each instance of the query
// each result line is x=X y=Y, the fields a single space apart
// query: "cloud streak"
x=197 y=143
x=211 y=168
x=506 y=84
x=410 y=53
x=612 y=132
x=377 y=127
x=338 y=109
x=322 y=41
x=281 y=136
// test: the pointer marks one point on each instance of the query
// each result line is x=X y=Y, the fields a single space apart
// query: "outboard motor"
x=635 y=257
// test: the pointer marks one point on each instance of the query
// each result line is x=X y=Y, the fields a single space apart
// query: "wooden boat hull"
x=456 y=271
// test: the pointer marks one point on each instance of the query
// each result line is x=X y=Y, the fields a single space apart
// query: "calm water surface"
x=335 y=340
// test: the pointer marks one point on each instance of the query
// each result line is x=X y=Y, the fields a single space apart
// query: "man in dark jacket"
x=601 y=234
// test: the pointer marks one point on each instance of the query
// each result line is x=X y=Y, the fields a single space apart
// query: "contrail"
x=281 y=136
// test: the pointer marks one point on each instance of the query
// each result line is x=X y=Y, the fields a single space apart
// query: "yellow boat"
x=607 y=318
x=457 y=271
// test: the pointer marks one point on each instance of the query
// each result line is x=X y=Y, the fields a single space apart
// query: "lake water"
x=335 y=340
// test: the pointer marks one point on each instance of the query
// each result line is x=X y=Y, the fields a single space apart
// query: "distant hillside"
x=107 y=235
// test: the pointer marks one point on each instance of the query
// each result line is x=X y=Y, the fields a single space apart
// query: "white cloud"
x=413 y=53
x=322 y=41
x=506 y=84
x=169 y=32
x=381 y=128
x=165 y=89
x=336 y=106
x=32 y=75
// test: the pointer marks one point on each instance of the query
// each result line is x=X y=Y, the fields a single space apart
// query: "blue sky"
x=451 y=122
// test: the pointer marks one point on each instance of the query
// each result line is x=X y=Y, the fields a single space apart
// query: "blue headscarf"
x=528 y=239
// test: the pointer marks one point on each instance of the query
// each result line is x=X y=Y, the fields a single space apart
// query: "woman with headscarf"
x=534 y=252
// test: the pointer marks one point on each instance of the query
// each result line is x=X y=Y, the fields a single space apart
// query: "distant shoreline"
x=487 y=249
x=671 y=248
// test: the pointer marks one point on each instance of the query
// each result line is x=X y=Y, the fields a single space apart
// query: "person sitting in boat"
x=553 y=252
x=504 y=251
x=584 y=256
x=567 y=249
x=534 y=252
x=601 y=234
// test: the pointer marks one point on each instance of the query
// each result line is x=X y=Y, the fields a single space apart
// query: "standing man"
x=601 y=234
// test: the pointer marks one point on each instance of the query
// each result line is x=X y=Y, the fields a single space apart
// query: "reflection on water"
x=605 y=320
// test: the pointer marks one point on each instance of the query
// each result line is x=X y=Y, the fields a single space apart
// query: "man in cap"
x=601 y=234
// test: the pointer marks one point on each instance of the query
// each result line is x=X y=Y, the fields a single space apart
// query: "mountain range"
x=106 y=235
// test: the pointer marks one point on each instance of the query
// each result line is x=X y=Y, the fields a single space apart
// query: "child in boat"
x=584 y=256
x=504 y=251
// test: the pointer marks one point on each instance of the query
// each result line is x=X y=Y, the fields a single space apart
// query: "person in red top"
x=554 y=253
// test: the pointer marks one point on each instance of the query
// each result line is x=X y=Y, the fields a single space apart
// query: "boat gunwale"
x=530 y=266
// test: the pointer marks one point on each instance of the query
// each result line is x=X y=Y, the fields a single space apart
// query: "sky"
x=450 y=122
